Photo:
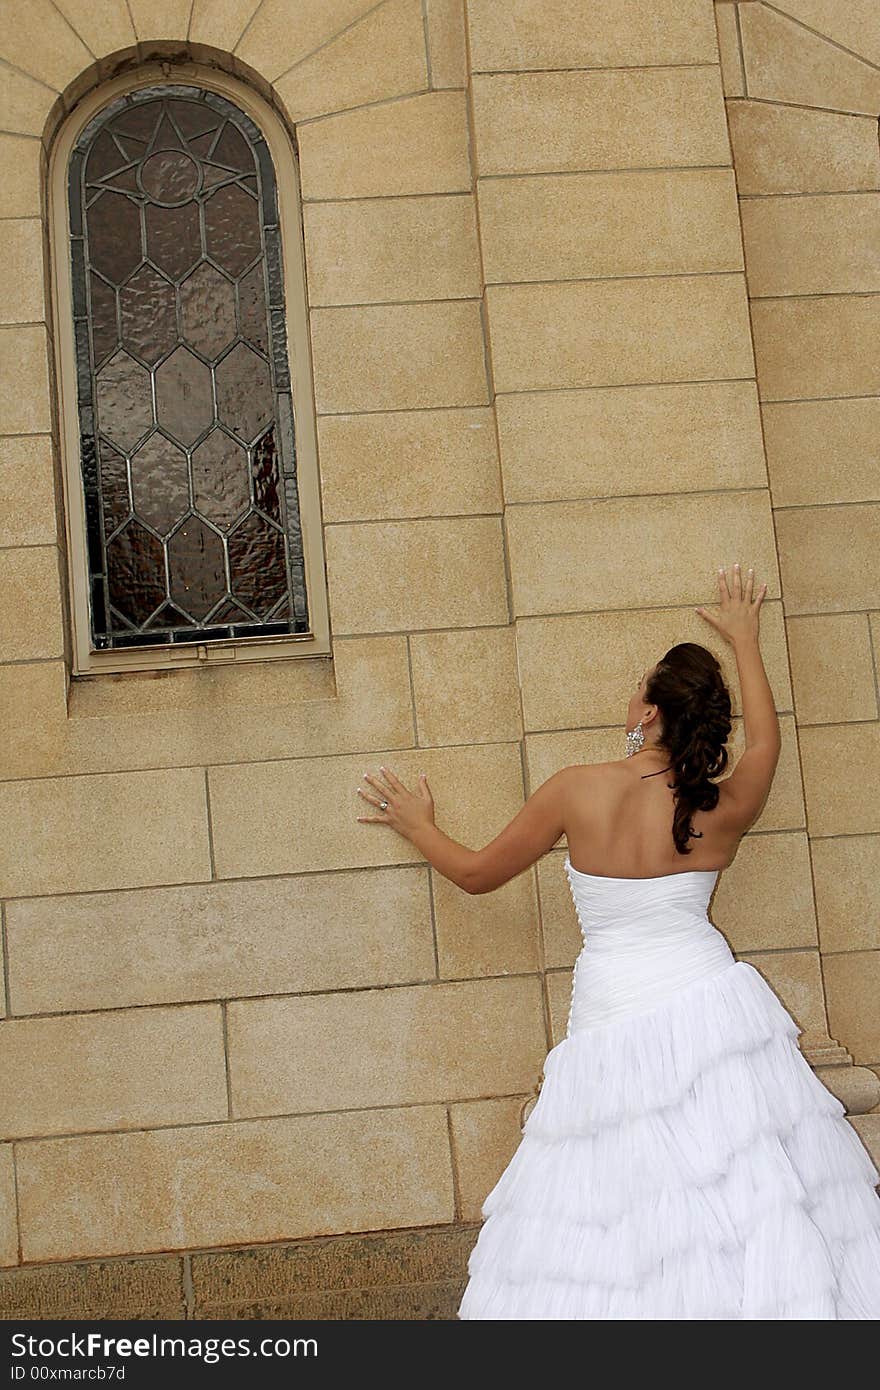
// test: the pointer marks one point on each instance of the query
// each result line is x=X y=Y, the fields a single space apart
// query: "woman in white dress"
x=682 y=1160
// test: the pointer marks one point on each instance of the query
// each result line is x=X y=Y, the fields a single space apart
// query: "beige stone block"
x=572 y=226
x=698 y=436
x=221 y=22
x=611 y=332
x=822 y=451
x=541 y=122
x=306 y=796
x=139 y=1289
x=380 y=57
x=24 y=381
x=447 y=54
x=30 y=603
x=20 y=166
x=783 y=810
x=422 y=463
x=25 y=104
x=398 y=356
x=855 y=25
x=729 y=50
x=319 y=931
x=8 y=1218
x=559 y=925
x=832 y=670
x=466 y=686
x=606 y=33
x=852 y=984
x=160 y=19
x=263 y=710
x=123 y=830
x=27 y=491
x=657 y=550
x=276 y=38
x=123 y=1069
x=547 y=752
x=383 y=249
x=21 y=270
x=764 y=899
x=821 y=346
x=225 y=1184
x=346 y=155
x=791 y=149
x=841 y=768
x=486 y=933
x=33 y=717
x=559 y=988
x=786 y=62
x=485 y=1136
x=827 y=556
x=846 y=870
x=381 y=1047
x=796 y=979
x=580 y=669
x=822 y=244
x=37 y=40
x=105 y=25
x=401 y=575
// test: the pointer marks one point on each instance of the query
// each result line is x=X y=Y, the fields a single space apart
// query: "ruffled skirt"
x=683 y=1163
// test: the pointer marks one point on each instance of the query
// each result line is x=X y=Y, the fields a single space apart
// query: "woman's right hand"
x=737 y=616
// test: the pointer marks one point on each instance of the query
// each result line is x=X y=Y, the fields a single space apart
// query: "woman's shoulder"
x=604 y=769
x=591 y=774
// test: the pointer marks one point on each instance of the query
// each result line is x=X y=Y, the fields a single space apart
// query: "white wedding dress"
x=682 y=1159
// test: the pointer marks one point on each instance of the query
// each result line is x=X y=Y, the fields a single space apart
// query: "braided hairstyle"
x=689 y=690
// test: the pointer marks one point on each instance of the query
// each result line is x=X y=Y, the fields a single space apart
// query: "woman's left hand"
x=406 y=810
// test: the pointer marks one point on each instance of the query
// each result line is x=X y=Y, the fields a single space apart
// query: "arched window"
x=188 y=433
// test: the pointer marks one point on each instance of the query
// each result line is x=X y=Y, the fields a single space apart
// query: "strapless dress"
x=682 y=1159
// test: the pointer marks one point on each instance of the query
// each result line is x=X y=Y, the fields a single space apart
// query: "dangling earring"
x=635 y=740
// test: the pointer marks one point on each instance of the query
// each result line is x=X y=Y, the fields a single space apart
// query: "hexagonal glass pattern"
x=148 y=314
x=220 y=479
x=244 y=392
x=184 y=400
x=186 y=416
x=159 y=483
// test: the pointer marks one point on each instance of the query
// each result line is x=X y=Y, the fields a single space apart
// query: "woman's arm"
x=760 y=720
x=744 y=793
x=533 y=831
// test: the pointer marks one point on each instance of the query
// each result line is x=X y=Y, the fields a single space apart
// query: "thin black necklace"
x=655 y=774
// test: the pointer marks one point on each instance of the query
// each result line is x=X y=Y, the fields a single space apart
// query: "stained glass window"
x=185 y=408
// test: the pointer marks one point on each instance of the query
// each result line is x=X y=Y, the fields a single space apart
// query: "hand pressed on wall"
x=405 y=810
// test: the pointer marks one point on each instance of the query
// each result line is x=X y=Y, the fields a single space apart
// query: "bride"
x=682 y=1160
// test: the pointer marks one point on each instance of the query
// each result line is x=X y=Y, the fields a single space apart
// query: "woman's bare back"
x=621 y=823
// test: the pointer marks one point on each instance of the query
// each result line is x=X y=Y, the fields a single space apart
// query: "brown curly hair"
x=688 y=688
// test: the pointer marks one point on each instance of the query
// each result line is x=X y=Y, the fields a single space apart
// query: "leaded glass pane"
x=186 y=419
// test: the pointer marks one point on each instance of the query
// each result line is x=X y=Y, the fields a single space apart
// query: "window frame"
x=86 y=661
